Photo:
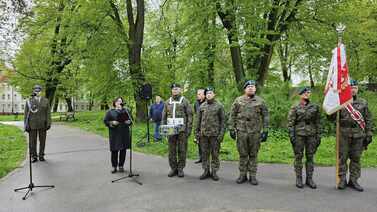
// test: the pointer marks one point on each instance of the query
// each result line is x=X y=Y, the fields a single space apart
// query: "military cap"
x=354 y=82
x=209 y=88
x=37 y=88
x=304 y=90
x=175 y=85
x=249 y=82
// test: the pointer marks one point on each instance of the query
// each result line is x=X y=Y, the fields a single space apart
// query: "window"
x=3 y=97
x=8 y=105
x=23 y=107
x=8 y=96
x=82 y=107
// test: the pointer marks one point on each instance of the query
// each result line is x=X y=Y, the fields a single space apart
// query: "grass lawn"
x=19 y=117
x=277 y=149
x=12 y=148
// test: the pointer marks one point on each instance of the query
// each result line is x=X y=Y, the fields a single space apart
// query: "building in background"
x=12 y=102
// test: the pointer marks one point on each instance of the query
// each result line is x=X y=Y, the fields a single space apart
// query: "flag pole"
x=340 y=30
x=337 y=148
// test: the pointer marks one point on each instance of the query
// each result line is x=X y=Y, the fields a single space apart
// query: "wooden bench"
x=67 y=116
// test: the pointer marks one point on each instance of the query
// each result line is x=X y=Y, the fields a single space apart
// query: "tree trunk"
x=312 y=84
x=228 y=20
x=91 y=101
x=134 y=43
x=56 y=104
x=283 y=52
x=70 y=108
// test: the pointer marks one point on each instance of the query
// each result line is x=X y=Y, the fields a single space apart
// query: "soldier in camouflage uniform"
x=353 y=140
x=178 y=143
x=304 y=133
x=210 y=129
x=248 y=124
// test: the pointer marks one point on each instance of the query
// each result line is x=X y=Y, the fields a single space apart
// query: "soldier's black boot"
x=355 y=185
x=309 y=182
x=343 y=183
x=114 y=170
x=34 y=160
x=41 y=158
x=172 y=173
x=206 y=174
x=253 y=180
x=241 y=179
x=214 y=176
x=181 y=173
x=299 y=183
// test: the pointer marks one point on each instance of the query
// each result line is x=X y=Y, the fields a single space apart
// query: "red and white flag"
x=338 y=90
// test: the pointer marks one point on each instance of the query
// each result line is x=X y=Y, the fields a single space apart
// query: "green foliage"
x=12 y=148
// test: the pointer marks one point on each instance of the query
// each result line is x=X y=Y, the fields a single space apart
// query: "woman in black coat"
x=118 y=120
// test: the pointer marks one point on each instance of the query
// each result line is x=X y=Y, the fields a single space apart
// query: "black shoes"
x=198 y=161
x=253 y=180
x=34 y=160
x=355 y=185
x=299 y=182
x=172 y=173
x=41 y=158
x=114 y=171
x=178 y=173
x=121 y=169
x=342 y=184
x=206 y=174
x=181 y=173
x=309 y=182
x=241 y=179
x=214 y=176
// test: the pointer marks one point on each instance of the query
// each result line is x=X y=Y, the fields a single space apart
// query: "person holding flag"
x=355 y=135
x=353 y=118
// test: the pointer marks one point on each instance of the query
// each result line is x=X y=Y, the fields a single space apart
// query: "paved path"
x=78 y=164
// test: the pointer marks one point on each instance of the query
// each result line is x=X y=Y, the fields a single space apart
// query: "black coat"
x=119 y=136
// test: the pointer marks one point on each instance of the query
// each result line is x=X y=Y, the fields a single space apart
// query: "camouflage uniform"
x=304 y=123
x=352 y=138
x=248 y=117
x=178 y=143
x=210 y=127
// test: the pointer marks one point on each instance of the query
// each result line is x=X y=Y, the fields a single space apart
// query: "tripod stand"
x=130 y=175
x=31 y=185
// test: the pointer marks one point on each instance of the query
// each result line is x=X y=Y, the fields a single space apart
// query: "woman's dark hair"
x=116 y=99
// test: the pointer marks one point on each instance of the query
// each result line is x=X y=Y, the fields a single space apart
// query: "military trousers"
x=33 y=137
x=177 y=151
x=210 y=152
x=248 y=147
x=308 y=144
x=350 y=148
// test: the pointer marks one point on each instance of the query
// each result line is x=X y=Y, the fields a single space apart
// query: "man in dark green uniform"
x=210 y=129
x=248 y=124
x=37 y=121
x=200 y=99
x=353 y=140
x=177 y=113
x=304 y=133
